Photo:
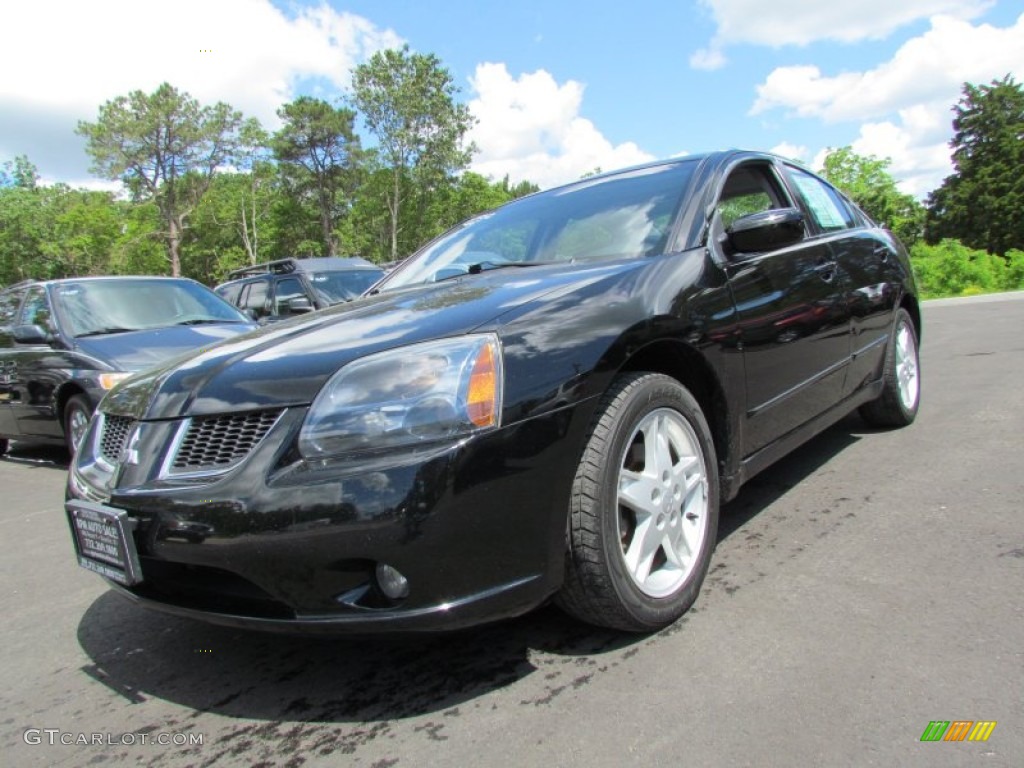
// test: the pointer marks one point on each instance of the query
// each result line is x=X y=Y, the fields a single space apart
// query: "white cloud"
x=530 y=128
x=929 y=68
x=905 y=102
x=69 y=57
x=792 y=151
x=798 y=22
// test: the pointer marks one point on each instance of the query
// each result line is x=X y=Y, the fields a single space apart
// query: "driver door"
x=793 y=322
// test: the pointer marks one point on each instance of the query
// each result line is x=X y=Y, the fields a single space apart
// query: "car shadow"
x=38 y=455
x=140 y=654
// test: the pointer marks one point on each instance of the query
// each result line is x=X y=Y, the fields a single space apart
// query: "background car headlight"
x=412 y=396
x=108 y=380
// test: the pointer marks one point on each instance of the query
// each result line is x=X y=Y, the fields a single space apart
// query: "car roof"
x=310 y=264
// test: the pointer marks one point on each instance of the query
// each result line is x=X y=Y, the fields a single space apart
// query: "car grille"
x=217 y=442
x=114 y=436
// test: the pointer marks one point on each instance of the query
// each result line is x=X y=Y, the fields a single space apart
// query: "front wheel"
x=643 y=518
x=77 y=413
x=901 y=379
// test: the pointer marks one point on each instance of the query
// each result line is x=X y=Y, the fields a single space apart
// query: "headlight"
x=108 y=380
x=408 y=397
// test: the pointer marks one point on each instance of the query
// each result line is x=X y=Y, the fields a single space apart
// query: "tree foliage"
x=982 y=202
x=950 y=268
x=408 y=101
x=867 y=181
x=319 y=157
x=165 y=148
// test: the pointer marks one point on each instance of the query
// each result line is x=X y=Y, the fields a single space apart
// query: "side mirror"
x=31 y=334
x=300 y=304
x=766 y=231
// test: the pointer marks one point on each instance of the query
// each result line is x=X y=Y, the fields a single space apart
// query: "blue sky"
x=558 y=88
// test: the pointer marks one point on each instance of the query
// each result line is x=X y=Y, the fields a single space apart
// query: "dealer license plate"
x=103 y=541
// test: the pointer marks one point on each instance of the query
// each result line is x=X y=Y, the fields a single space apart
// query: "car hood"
x=139 y=350
x=287 y=363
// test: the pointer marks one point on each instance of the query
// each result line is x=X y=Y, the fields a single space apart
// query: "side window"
x=827 y=207
x=36 y=310
x=288 y=288
x=749 y=189
x=9 y=303
x=254 y=296
x=230 y=292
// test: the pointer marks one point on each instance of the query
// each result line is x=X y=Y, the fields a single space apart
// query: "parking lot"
x=868 y=584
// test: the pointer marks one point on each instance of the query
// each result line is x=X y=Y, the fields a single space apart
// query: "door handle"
x=826 y=270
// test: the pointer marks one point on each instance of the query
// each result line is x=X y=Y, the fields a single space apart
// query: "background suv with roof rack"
x=283 y=288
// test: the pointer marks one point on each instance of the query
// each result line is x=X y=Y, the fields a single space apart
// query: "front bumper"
x=278 y=543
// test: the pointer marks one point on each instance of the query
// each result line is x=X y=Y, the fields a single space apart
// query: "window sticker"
x=822 y=205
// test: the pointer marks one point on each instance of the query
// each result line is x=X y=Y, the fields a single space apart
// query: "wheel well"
x=63 y=396
x=909 y=303
x=688 y=367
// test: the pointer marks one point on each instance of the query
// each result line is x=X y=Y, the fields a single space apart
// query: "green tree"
x=408 y=102
x=867 y=181
x=23 y=230
x=319 y=156
x=165 y=148
x=19 y=172
x=982 y=202
x=950 y=268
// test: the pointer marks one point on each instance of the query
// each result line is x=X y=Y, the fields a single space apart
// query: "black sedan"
x=547 y=402
x=64 y=343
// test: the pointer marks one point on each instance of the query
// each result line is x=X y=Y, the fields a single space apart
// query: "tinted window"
x=9 y=302
x=254 y=296
x=288 y=288
x=229 y=292
x=749 y=189
x=36 y=310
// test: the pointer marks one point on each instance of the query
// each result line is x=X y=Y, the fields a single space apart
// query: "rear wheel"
x=643 y=517
x=901 y=389
x=77 y=413
x=3 y=445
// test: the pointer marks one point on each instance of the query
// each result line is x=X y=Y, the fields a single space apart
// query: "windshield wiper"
x=447 y=273
x=105 y=331
x=207 y=321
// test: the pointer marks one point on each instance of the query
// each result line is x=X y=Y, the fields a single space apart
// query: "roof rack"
x=292 y=264
x=278 y=267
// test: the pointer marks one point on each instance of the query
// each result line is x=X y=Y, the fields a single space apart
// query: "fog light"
x=392 y=583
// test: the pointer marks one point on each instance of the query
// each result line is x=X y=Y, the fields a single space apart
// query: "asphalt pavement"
x=865 y=586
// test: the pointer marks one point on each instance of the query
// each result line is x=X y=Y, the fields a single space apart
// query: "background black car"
x=286 y=287
x=547 y=401
x=64 y=343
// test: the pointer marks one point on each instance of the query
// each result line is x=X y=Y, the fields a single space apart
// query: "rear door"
x=793 y=322
x=868 y=258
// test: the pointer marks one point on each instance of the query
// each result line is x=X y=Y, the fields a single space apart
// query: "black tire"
x=76 y=410
x=4 y=445
x=901 y=389
x=605 y=531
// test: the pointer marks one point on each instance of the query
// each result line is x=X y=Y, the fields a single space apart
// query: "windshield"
x=335 y=287
x=92 y=307
x=622 y=216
